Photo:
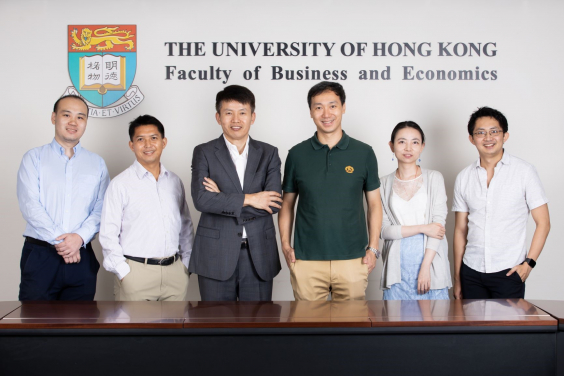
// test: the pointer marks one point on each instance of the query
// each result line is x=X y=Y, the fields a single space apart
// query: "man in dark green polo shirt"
x=331 y=172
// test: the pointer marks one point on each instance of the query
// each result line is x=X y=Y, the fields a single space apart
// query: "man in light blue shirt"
x=60 y=190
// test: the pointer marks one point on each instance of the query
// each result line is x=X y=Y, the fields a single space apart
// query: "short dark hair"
x=324 y=86
x=145 y=120
x=71 y=96
x=235 y=93
x=487 y=112
x=407 y=124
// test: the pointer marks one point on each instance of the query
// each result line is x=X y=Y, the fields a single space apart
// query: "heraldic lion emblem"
x=106 y=35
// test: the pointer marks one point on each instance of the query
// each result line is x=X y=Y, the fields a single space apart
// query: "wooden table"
x=468 y=337
x=556 y=309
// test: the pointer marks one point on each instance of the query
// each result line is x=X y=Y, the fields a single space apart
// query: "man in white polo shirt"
x=492 y=200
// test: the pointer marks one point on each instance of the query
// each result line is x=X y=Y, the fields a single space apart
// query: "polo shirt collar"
x=59 y=150
x=141 y=171
x=342 y=144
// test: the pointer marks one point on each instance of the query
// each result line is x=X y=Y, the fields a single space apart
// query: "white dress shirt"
x=240 y=161
x=60 y=195
x=144 y=217
x=498 y=214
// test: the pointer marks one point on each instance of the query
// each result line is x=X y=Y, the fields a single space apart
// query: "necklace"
x=417 y=169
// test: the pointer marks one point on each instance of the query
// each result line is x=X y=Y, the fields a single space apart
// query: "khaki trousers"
x=152 y=282
x=345 y=279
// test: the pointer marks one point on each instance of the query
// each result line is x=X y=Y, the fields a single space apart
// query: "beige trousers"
x=152 y=282
x=345 y=279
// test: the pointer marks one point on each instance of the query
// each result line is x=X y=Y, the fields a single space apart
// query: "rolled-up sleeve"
x=458 y=202
x=534 y=191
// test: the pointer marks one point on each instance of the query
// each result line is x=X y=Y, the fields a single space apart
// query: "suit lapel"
x=255 y=153
x=224 y=158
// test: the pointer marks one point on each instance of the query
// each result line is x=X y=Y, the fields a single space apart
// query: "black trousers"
x=476 y=285
x=45 y=276
x=245 y=284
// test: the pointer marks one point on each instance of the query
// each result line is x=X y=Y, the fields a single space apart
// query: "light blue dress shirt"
x=58 y=195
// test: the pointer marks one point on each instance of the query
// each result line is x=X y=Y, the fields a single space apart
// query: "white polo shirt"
x=498 y=214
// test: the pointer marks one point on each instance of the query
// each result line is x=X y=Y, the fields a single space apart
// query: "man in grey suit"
x=236 y=184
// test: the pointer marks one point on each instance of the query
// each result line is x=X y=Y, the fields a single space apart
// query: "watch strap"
x=532 y=263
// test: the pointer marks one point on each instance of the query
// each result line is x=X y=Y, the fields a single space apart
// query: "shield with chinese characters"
x=102 y=61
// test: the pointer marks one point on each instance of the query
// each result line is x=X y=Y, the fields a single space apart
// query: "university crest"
x=102 y=65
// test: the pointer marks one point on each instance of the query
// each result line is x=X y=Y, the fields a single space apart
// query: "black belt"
x=38 y=242
x=42 y=243
x=149 y=261
x=244 y=243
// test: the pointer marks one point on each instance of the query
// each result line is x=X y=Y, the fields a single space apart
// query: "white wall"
x=529 y=61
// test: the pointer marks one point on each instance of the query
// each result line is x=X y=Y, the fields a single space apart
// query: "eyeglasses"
x=493 y=133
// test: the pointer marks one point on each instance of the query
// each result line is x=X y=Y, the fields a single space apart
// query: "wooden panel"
x=492 y=312
x=271 y=315
x=7 y=307
x=503 y=312
x=554 y=307
x=86 y=315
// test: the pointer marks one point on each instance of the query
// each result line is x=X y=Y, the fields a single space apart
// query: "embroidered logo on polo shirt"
x=349 y=169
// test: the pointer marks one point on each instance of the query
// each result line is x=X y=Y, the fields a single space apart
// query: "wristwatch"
x=531 y=262
x=374 y=250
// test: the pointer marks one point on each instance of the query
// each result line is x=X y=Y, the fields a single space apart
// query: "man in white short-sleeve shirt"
x=492 y=200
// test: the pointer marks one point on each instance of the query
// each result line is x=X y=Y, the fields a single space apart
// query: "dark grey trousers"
x=245 y=284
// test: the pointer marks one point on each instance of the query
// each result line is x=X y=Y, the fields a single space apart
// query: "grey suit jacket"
x=219 y=233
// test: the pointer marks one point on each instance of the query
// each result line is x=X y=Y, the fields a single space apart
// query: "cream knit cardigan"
x=436 y=211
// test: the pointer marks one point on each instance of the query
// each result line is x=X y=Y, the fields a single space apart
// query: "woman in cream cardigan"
x=415 y=250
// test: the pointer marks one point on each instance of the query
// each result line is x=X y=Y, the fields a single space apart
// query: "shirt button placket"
x=161 y=201
x=483 y=179
x=487 y=230
x=68 y=194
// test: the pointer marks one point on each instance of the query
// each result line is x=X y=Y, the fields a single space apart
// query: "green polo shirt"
x=330 y=220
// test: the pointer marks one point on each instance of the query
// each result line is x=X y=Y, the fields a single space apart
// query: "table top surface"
x=279 y=314
x=553 y=307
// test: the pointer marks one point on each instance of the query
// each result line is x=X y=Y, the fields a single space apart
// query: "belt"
x=150 y=261
x=38 y=242
x=244 y=243
x=43 y=243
